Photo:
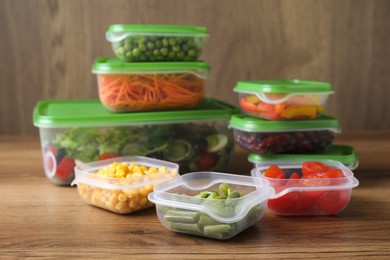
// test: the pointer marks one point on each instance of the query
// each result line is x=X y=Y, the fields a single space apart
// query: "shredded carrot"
x=137 y=92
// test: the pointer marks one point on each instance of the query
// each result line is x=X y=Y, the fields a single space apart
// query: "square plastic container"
x=126 y=194
x=283 y=99
x=295 y=136
x=341 y=153
x=126 y=87
x=180 y=208
x=79 y=131
x=147 y=42
x=308 y=195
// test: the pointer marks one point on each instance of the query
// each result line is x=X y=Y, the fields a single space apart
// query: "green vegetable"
x=216 y=142
x=222 y=202
x=159 y=48
x=183 y=143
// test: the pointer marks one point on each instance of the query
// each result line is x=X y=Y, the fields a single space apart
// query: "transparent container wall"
x=150 y=92
x=183 y=143
x=274 y=106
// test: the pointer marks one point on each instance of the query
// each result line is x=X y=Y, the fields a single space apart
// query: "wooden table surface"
x=40 y=219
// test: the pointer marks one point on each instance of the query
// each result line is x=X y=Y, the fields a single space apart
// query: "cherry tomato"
x=206 y=161
x=108 y=155
x=294 y=176
x=333 y=201
x=65 y=169
x=314 y=167
x=274 y=172
x=334 y=173
x=291 y=204
x=315 y=179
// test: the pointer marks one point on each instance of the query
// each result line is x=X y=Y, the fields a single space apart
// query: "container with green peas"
x=211 y=204
x=146 y=42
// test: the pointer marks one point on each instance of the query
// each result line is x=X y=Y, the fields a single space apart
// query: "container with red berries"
x=309 y=187
x=275 y=136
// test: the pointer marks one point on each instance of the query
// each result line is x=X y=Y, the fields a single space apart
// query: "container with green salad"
x=79 y=131
x=211 y=204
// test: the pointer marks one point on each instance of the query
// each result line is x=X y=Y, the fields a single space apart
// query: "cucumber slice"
x=178 y=150
x=216 y=142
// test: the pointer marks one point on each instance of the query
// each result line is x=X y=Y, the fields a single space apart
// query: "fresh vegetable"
x=185 y=144
x=125 y=200
x=296 y=107
x=58 y=167
x=108 y=155
x=159 y=48
x=141 y=92
x=222 y=202
x=318 y=201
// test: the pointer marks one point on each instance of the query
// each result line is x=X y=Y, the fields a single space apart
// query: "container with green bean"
x=147 y=42
x=210 y=204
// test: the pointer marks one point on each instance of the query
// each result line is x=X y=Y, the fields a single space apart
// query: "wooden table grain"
x=40 y=219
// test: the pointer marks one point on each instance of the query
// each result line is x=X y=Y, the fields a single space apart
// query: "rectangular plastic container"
x=283 y=99
x=148 y=86
x=204 y=204
x=73 y=132
x=323 y=194
x=124 y=194
x=295 y=136
x=341 y=153
x=148 y=42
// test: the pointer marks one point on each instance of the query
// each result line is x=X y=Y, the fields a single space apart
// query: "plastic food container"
x=296 y=136
x=283 y=99
x=309 y=196
x=180 y=209
x=78 y=131
x=140 y=42
x=122 y=195
x=341 y=153
x=150 y=86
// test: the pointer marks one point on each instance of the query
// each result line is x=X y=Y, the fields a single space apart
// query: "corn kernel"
x=122 y=197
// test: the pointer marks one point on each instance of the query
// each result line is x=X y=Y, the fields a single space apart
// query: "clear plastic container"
x=295 y=136
x=147 y=42
x=122 y=195
x=148 y=86
x=283 y=99
x=180 y=208
x=341 y=153
x=77 y=131
x=309 y=195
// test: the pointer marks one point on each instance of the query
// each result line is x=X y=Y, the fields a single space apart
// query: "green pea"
x=191 y=53
x=136 y=52
x=171 y=55
x=180 y=55
x=185 y=47
x=150 y=45
x=142 y=58
x=120 y=51
x=156 y=52
x=165 y=42
x=142 y=47
x=223 y=187
x=164 y=51
x=172 y=41
x=128 y=55
x=176 y=48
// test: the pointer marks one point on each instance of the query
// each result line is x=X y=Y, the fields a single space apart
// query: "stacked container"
x=283 y=124
x=151 y=104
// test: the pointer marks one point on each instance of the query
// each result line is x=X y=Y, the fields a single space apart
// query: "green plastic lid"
x=251 y=124
x=157 y=28
x=283 y=86
x=75 y=113
x=114 y=65
x=342 y=153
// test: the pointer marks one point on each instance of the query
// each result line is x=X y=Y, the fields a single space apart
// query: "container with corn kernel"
x=122 y=184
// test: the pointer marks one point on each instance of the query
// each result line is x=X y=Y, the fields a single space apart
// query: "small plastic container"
x=283 y=99
x=147 y=42
x=295 y=136
x=81 y=131
x=308 y=195
x=341 y=153
x=148 y=86
x=122 y=195
x=181 y=210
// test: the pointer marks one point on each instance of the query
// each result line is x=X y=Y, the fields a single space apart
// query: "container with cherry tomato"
x=283 y=99
x=308 y=188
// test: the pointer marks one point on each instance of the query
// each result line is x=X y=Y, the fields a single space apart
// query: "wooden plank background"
x=47 y=48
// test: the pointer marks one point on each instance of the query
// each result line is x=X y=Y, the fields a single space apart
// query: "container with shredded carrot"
x=125 y=87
